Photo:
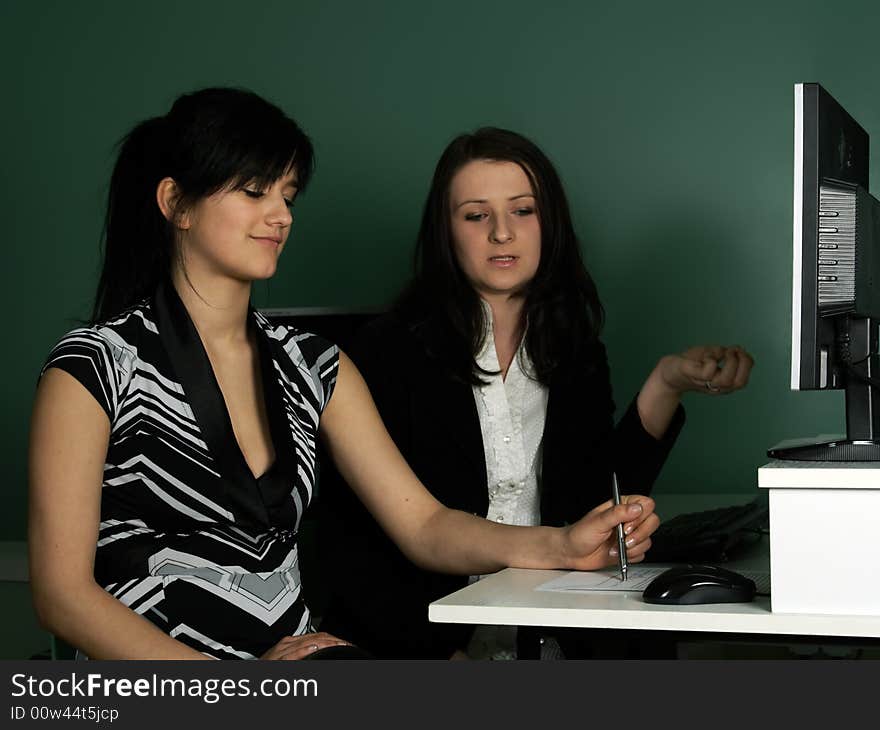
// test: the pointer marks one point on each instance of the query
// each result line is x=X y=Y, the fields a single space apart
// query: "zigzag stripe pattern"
x=171 y=545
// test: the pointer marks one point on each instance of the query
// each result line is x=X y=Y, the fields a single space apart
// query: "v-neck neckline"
x=245 y=492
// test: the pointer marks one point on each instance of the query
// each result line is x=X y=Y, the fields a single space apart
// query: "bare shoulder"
x=70 y=433
x=61 y=397
x=350 y=393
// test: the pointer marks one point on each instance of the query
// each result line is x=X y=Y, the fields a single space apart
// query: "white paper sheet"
x=639 y=577
x=604 y=580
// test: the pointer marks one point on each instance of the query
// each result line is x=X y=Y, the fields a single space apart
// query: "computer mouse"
x=693 y=584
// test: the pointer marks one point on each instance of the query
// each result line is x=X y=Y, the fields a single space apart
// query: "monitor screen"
x=830 y=147
x=836 y=279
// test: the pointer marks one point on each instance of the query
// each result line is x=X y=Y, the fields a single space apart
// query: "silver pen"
x=621 y=539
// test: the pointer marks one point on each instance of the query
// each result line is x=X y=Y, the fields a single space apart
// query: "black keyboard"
x=712 y=536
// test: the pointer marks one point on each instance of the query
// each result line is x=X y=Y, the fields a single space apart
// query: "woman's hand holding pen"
x=591 y=542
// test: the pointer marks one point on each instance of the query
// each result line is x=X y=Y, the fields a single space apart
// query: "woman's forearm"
x=89 y=618
x=456 y=542
x=657 y=403
x=481 y=546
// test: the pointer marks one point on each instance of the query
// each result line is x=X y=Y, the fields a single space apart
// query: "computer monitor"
x=836 y=274
x=339 y=325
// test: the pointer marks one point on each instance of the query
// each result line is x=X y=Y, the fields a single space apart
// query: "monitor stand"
x=862 y=440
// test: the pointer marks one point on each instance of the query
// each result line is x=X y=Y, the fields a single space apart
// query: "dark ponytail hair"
x=443 y=310
x=210 y=140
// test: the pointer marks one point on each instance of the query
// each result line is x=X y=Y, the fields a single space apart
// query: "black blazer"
x=378 y=599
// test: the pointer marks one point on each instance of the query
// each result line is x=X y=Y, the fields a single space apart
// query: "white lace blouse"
x=511 y=413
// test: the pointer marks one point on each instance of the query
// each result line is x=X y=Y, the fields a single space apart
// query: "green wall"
x=671 y=124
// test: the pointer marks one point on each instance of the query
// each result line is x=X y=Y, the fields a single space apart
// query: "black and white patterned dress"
x=189 y=538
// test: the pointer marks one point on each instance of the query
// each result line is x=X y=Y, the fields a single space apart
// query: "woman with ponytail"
x=173 y=440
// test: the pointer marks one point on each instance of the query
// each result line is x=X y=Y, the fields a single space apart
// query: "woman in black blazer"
x=498 y=263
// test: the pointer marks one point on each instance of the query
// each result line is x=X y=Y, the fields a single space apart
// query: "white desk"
x=509 y=598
